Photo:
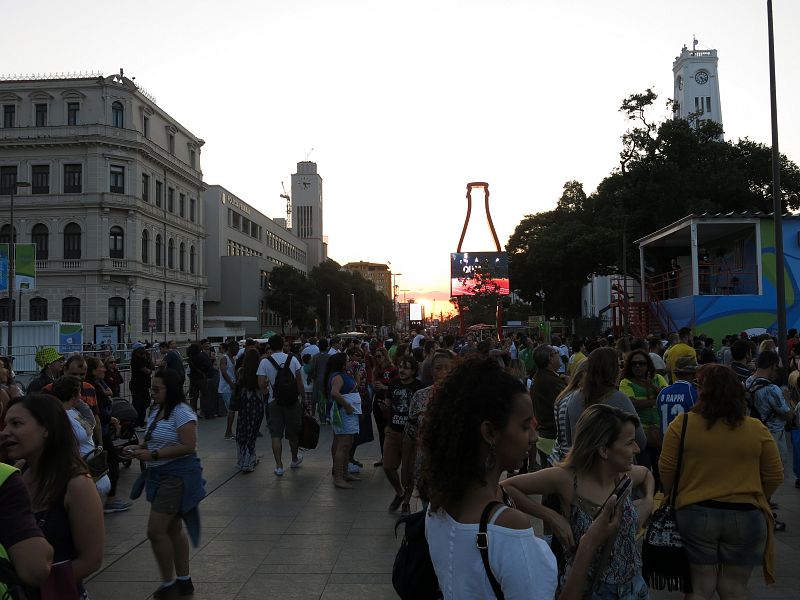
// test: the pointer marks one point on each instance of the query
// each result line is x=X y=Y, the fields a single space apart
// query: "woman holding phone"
x=601 y=458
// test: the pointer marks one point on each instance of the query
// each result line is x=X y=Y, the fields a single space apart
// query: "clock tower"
x=697 y=84
x=307 y=211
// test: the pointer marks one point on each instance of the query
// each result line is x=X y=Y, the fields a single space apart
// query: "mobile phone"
x=622 y=490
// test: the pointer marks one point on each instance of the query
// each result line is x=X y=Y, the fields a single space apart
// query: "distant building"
x=243 y=247
x=378 y=273
x=307 y=211
x=113 y=208
x=697 y=84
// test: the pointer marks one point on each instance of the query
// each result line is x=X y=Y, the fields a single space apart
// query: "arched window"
x=145 y=314
x=159 y=250
x=5 y=234
x=37 y=307
x=40 y=236
x=71 y=310
x=116 y=311
x=182 y=316
x=72 y=241
x=170 y=254
x=191 y=259
x=145 y=247
x=194 y=315
x=4 y=312
x=116 y=242
x=117 y=115
x=159 y=315
x=171 y=317
x=182 y=257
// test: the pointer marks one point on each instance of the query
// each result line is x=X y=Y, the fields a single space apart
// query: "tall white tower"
x=697 y=84
x=307 y=211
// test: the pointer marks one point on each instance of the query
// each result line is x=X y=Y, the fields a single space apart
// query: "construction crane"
x=288 y=199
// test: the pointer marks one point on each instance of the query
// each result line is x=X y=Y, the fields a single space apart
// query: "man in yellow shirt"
x=578 y=356
x=682 y=352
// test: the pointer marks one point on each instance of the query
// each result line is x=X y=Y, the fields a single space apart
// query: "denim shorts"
x=635 y=589
x=349 y=424
x=714 y=536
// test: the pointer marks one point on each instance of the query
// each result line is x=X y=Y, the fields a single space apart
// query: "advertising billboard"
x=475 y=273
x=25 y=262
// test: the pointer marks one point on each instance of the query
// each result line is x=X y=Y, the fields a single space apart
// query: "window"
x=145 y=187
x=40 y=236
x=37 y=309
x=171 y=317
x=41 y=115
x=194 y=316
x=8 y=179
x=146 y=126
x=5 y=236
x=182 y=205
x=159 y=315
x=708 y=104
x=182 y=316
x=159 y=193
x=171 y=200
x=72 y=242
x=40 y=175
x=9 y=112
x=171 y=254
x=72 y=179
x=159 y=250
x=145 y=314
x=117 y=115
x=4 y=312
x=71 y=310
x=191 y=209
x=191 y=259
x=182 y=257
x=145 y=247
x=192 y=158
x=116 y=311
x=116 y=242
x=73 y=108
x=117 y=179
x=171 y=140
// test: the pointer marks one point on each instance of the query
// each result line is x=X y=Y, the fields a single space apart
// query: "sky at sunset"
x=402 y=103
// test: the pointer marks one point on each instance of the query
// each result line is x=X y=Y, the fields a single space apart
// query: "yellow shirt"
x=728 y=465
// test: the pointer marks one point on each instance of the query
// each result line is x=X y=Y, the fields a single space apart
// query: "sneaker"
x=117 y=506
x=296 y=463
x=229 y=437
x=358 y=464
x=398 y=500
x=353 y=468
x=278 y=471
x=780 y=525
x=185 y=587
x=170 y=591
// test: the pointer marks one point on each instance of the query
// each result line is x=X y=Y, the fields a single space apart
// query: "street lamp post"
x=12 y=257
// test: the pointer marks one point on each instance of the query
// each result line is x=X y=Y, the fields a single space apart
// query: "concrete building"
x=307 y=211
x=697 y=84
x=113 y=207
x=378 y=273
x=243 y=247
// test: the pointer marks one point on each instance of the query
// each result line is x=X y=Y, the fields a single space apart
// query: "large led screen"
x=474 y=273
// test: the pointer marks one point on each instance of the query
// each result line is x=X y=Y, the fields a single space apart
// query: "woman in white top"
x=477 y=426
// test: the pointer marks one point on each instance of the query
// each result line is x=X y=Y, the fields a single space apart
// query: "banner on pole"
x=25 y=271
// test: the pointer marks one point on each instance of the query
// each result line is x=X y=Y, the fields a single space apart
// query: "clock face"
x=701 y=77
x=305 y=182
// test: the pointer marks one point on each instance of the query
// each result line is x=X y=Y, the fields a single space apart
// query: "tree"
x=667 y=170
x=291 y=293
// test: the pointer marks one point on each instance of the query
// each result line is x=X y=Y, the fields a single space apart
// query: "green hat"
x=47 y=355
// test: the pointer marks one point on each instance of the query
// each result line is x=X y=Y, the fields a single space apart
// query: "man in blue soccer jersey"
x=677 y=398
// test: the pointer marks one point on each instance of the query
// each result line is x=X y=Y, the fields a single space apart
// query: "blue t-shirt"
x=673 y=400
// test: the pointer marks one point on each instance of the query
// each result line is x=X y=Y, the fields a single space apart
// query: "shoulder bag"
x=665 y=563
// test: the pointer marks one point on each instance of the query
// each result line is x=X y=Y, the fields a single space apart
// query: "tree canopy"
x=667 y=171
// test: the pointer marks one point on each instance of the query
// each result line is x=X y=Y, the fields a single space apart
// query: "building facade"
x=307 y=211
x=113 y=209
x=378 y=273
x=249 y=245
x=697 y=84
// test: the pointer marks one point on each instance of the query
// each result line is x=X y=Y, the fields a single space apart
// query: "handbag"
x=482 y=542
x=97 y=461
x=413 y=575
x=665 y=563
x=60 y=584
x=236 y=394
x=309 y=432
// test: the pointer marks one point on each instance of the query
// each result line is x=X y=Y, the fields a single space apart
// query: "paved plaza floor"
x=297 y=537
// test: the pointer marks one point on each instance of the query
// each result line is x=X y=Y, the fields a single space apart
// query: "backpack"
x=750 y=397
x=413 y=576
x=285 y=386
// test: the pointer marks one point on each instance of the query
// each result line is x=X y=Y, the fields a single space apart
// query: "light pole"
x=129 y=314
x=12 y=257
x=353 y=311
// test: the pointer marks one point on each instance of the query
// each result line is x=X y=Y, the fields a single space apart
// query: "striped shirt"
x=165 y=432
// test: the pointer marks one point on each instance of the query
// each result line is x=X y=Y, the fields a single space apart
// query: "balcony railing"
x=72 y=265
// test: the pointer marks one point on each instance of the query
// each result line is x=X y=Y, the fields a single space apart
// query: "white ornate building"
x=114 y=205
x=697 y=84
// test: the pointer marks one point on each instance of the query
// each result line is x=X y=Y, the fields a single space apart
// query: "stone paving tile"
x=297 y=537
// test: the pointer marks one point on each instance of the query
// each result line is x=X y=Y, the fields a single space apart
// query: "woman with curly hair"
x=477 y=426
x=730 y=468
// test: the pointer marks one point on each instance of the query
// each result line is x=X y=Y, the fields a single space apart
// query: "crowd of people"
x=542 y=428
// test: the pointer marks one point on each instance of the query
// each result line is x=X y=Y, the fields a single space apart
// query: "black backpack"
x=15 y=590
x=413 y=576
x=759 y=383
x=285 y=387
